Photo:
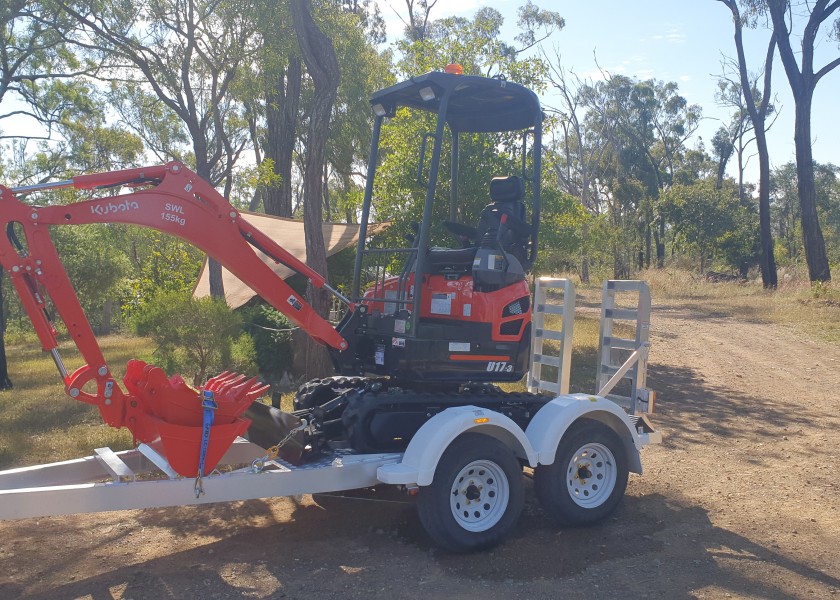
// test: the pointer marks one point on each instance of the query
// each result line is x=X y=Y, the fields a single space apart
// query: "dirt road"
x=741 y=501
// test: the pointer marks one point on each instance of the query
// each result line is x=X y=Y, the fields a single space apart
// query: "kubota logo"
x=110 y=208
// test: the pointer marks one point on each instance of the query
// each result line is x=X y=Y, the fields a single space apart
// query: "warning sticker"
x=294 y=303
x=379 y=355
x=459 y=346
x=398 y=342
x=441 y=304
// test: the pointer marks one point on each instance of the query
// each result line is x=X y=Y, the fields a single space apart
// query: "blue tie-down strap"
x=208 y=403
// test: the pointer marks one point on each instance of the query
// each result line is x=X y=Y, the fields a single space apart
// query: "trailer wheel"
x=588 y=478
x=476 y=495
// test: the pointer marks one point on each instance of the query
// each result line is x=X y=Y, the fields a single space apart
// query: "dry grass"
x=810 y=310
x=585 y=341
x=40 y=423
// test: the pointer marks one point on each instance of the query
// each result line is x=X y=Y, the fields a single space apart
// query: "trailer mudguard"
x=420 y=460
x=553 y=420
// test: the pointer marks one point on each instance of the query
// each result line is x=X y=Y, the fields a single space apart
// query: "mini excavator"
x=425 y=328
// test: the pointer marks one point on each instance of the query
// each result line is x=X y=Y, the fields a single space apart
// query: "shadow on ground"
x=651 y=547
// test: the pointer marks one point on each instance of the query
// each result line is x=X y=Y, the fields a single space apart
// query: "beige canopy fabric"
x=289 y=234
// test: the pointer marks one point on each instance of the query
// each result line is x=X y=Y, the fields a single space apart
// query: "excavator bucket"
x=172 y=412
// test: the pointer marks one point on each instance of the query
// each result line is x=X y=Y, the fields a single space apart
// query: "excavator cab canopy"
x=474 y=104
x=465 y=104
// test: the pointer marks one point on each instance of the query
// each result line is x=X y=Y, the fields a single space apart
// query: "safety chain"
x=259 y=463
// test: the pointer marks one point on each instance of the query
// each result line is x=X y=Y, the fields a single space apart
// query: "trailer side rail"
x=84 y=485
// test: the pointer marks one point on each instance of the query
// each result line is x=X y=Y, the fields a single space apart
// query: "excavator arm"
x=174 y=200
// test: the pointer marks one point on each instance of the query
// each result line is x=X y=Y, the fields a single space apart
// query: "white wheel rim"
x=479 y=496
x=591 y=475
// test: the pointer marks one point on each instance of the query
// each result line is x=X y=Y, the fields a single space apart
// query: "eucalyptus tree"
x=187 y=54
x=579 y=155
x=758 y=106
x=649 y=126
x=39 y=87
x=803 y=77
x=318 y=54
x=40 y=67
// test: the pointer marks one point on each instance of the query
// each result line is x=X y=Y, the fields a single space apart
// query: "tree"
x=38 y=65
x=580 y=159
x=37 y=69
x=649 y=123
x=279 y=79
x=757 y=108
x=785 y=198
x=197 y=335
x=322 y=66
x=187 y=55
x=712 y=220
x=803 y=80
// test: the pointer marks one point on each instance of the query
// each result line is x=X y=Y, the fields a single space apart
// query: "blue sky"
x=671 y=40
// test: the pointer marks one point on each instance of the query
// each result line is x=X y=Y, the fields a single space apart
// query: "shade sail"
x=289 y=234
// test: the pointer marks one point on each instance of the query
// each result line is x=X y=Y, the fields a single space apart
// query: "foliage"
x=562 y=219
x=786 y=210
x=713 y=222
x=194 y=336
x=93 y=263
x=271 y=334
x=161 y=263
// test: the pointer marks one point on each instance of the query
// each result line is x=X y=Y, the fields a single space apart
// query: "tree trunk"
x=281 y=122
x=5 y=382
x=660 y=245
x=584 y=262
x=758 y=115
x=802 y=83
x=107 y=317
x=812 y=237
x=768 y=258
x=202 y=169
x=322 y=65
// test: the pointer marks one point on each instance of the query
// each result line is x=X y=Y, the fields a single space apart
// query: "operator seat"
x=507 y=206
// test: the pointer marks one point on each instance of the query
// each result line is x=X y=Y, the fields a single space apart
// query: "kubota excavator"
x=426 y=328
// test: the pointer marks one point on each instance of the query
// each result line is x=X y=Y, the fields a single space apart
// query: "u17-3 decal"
x=499 y=366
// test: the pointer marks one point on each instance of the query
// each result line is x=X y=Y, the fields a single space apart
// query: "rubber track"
x=364 y=405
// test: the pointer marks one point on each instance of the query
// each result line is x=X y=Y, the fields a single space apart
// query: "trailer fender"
x=553 y=420
x=420 y=460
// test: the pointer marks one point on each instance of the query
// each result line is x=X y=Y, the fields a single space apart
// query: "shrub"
x=272 y=338
x=195 y=337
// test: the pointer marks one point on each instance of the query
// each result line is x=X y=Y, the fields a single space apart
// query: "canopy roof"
x=289 y=233
x=476 y=104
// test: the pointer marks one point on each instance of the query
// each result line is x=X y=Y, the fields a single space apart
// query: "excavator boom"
x=172 y=199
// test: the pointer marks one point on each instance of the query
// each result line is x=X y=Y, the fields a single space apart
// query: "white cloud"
x=673 y=35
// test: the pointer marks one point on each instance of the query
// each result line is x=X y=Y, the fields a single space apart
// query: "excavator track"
x=385 y=419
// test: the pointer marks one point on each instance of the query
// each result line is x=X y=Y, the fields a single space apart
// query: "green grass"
x=40 y=423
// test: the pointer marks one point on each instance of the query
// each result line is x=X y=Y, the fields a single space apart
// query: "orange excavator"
x=427 y=333
x=419 y=319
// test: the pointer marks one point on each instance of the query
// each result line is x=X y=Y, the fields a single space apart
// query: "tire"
x=587 y=480
x=479 y=471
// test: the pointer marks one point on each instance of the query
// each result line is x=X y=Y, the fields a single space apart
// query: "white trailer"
x=464 y=464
